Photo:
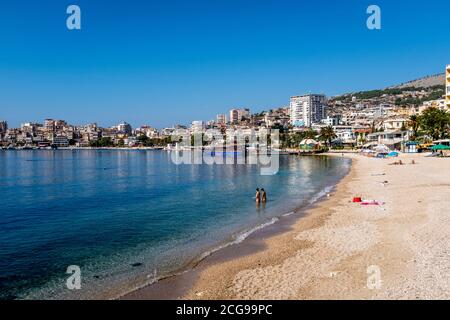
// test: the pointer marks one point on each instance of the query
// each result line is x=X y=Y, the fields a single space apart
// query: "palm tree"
x=327 y=134
x=435 y=122
x=414 y=125
x=310 y=134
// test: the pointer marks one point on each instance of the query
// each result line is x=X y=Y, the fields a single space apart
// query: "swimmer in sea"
x=264 y=196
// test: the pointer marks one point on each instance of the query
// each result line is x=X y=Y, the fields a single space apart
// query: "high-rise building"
x=308 y=109
x=447 y=86
x=221 y=119
x=235 y=115
x=3 y=126
x=124 y=128
x=197 y=126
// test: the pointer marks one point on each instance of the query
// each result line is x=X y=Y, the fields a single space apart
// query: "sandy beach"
x=340 y=249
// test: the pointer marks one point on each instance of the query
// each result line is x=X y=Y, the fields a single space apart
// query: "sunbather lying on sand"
x=396 y=163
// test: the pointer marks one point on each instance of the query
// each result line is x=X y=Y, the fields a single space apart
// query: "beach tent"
x=440 y=147
x=308 y=144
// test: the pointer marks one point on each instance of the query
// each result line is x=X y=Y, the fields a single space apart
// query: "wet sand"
x=338 y=249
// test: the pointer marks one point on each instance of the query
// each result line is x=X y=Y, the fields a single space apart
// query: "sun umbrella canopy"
x=393 y=154
x=309 y=142
x=440 y=147
x=381 y=148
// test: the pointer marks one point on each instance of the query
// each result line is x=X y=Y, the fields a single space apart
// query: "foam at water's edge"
x=322 y=193
x=239 y=238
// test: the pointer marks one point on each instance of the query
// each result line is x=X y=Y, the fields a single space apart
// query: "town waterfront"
x=127 y=218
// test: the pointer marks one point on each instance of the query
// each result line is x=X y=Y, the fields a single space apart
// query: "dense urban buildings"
x=360 y=118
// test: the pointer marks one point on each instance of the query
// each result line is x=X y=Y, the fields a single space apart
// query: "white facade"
x=197 y=126
x=447 y=86
x=221 y=119
x=308 y=109
x=124 y=128
x=236 y=115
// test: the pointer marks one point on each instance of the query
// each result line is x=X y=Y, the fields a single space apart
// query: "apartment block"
x=447 y=86
x=308 y=109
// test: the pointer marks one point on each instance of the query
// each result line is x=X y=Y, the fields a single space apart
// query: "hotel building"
x=308 y=109
x=197 y=126
x=235 y=115
x=221 y=119
x=447 y=86
x=3 y=126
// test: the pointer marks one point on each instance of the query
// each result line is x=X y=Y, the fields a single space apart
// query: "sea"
x=97 y=224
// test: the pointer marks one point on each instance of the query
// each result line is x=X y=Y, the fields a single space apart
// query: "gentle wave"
x=239 y=238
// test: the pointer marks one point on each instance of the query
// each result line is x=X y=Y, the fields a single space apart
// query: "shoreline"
x=176 y=286
x=337 y=248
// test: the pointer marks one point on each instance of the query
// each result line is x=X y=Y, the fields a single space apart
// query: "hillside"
x=425 y=82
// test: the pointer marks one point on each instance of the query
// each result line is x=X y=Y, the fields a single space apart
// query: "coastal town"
x=401 y=118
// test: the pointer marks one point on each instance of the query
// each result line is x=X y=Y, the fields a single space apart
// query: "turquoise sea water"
x=129 y=217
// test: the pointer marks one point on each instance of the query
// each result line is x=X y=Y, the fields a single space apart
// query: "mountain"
x=425 y=82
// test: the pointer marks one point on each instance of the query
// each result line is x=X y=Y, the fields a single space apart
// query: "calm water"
x=128 y=217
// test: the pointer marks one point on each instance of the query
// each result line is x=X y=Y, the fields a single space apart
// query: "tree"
x=414 y=125
x=435 y=123
x=101 y=143
x=310 y=134
x=144 y=140
x=327 y=134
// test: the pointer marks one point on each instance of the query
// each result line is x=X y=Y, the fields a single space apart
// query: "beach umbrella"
x=393 y=154
x=440 y=147
x=309 y=142
x=381 y=148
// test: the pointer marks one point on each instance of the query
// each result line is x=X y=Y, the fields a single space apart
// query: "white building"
x=440 y=104
x=236 y=115
x=308 y=109
x=60 y=141
x=447 y=86
x=394 y=124
x=221 y=119
x=3 y=126
x=124 y=128
x=197 y=126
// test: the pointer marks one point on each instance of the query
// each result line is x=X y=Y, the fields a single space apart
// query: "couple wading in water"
x=261 y=196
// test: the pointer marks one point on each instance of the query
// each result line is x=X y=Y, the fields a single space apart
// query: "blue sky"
x=171 y=61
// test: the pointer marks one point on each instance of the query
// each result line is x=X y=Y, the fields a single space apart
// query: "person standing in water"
x=258 y=196
x=264 y=196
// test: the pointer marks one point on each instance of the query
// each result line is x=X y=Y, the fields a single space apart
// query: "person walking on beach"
x=264 y=196
x=258 y=196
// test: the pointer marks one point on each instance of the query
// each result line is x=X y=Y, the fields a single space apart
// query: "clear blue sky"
x=174 y=61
